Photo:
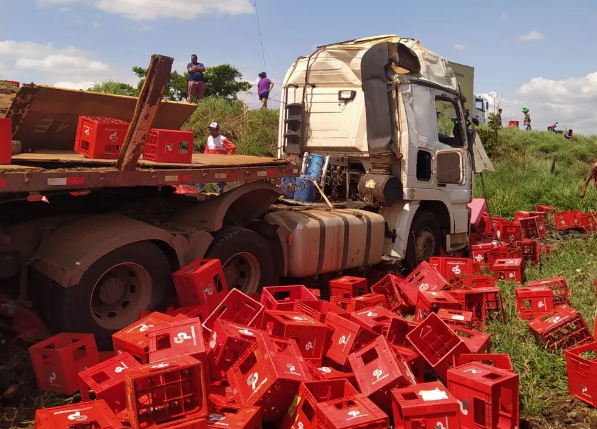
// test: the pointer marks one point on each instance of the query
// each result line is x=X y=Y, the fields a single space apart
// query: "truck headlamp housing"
x=346 y=95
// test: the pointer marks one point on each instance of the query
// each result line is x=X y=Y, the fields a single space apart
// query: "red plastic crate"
x=5 y=140
x=58 y=360
x=509 y=270
x=378 y=370
x=581 y=363
x=190 y=311
x=437 y=344
x=479 y=281
x=236 y=307
x=545 y=251
x=414 y=360
x=302 y=411
x=389 y=287
x=479 y=251
x=348 y=287
x=134 y=339
x=545 y=208
x=100 y=138
x=268 y=374
x=235 y=418
x=460 y=318
x=532 y=302
x=425 y=406
x=359 y=302
x=353 y=412
x=346 y=337
x=476 y=342
x=473 y=301
x=494 y=307
x=530 y=251
x=570 y=219
x=588 y=223
x=220 y=395
x=533 y=227
x=561 y=329
x=501 y=361
x=398 y=330
x=488 y=396
x=227 y=343
x=106 y=380
x=509 y=231
x=201 y=283
x=329 y=373
x=167 y=392
x=319 y=309
x=502 y=253
x=309 y=334
x=96 y=415
x=375 y=319
x=283 y=297
x=431 y=302
x=496 y=221
x=169 y=146
x=424 y=278
x=454 y=270
x=558 y=286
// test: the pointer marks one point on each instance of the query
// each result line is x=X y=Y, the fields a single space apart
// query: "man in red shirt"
x=592 y=175
x=217 y=144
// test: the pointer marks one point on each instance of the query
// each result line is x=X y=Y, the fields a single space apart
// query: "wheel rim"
x=120 y=294
x=242 y=272
x=425 y=245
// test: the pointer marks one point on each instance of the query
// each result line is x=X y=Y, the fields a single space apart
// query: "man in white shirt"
x=217 y=144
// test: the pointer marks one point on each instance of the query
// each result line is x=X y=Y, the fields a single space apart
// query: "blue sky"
x=73 y=42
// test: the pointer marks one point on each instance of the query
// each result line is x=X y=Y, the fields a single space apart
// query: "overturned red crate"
x=558 y=286
x=378 y=370
x=473 y=301
x=220 y=395
x=319 y=309
x=588 y=223
x=389 y=287
x=479 y=251
x=309 y=334
x=581 y=363
x=570 y=219
x=348 y=287
x=283 y=297
x=545 y=208
x=461 y=318
x=346 y=337
x=437 y=344
x=97 y=415
x=202 y=283
x=454 y=270
x=235 y=418
x=494 y=307
x=302 y=412
x=134 y=339
x=106 y=380
x=533 y=227
x=227 y=343
x=532 y=302
x=509 y=270
x=236 y=307
x=100 y=138
x=169 y=146
x=268 y=374
x=545 y=251
x=479 y=281
x=488 y=396
x=502 y=253
x=353 y=412
x=415 y=362
x=561 y=329
x=398 y=330
x=530 y=251
x=509 y=231
x=165 y=391
x=476 y=342
x=359 y=302
x=431 y=301
x=58 y=360
x=424 y=278
x=501 y=361
x=425 y=406
x=375 y=319
x=329 y=373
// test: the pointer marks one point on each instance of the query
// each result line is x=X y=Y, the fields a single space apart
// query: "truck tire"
x=247 y=258
x=111 y=293
x=424 y=240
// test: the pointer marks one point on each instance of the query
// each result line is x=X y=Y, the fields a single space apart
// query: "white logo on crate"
x=474 y=371
x=377 y=373
x=52 y=377
x=464 y=406
x=325 y=369
x=212 y=342
x=212 y=418
x=209 y=289
x=511 y=275
x=245 y=332
x=87 y=131
x=355 y=414
x=252 y=380
x=160 y=366
x=114 y=137
x=170 y=147
x=440 y=425
x=556 y=319
x=541 y=304
x=144 y=327
x=584 y=390
x=77 y=417
x=119 y=369
x=456 y=269
x=301 y=425
x=299 y=318
x=479 y=258
x=290 y=367
x=342 y=340
x=424 y=287
x=371 y=314
x=309 y=346
x=181 y=337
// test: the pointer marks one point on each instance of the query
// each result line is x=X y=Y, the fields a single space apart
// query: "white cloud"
x=73 y=85
x=504 y=16
x=533 y=36
x=154 y=9
x=459 y=47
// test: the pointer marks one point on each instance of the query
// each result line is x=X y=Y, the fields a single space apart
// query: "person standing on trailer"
x=217 y=144
x=196 y=86
x=264 y=87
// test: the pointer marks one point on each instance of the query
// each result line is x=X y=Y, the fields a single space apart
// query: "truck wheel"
x=111 y=293
x=424 y=240
x=246 y=257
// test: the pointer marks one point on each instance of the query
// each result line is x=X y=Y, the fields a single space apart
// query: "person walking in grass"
x=527 y=119
x=217 y=144
x=264 y=87
x=591 y=176
x=196 y=85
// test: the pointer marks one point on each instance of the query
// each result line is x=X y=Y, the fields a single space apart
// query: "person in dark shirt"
x=264 y=88
x=196 y=84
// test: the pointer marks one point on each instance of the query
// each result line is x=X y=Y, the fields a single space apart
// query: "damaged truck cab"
x=370 y=105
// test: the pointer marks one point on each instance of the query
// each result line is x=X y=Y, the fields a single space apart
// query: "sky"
x=529 y=53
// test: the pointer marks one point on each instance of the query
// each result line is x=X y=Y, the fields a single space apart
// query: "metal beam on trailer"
x=152 y=92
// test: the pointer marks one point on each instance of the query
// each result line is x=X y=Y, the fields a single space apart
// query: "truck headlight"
x=346 y=95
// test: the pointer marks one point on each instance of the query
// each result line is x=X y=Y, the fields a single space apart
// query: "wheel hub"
x=242 y=272
x=111 y=290
x=424 y=246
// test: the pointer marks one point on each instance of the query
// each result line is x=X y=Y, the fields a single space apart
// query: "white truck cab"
x=369 y=106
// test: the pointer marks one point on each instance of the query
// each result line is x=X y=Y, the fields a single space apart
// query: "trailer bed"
x=45 y=171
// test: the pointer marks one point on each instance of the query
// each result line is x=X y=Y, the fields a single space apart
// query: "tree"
x=113 y=87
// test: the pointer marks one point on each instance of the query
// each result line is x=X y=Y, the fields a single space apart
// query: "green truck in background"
x=477 y=105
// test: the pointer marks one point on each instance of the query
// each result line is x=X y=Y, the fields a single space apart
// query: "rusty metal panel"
x=46 y=118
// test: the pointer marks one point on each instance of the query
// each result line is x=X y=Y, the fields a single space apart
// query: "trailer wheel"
x=424 y=240
x=111 y=293
x=248 y=261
